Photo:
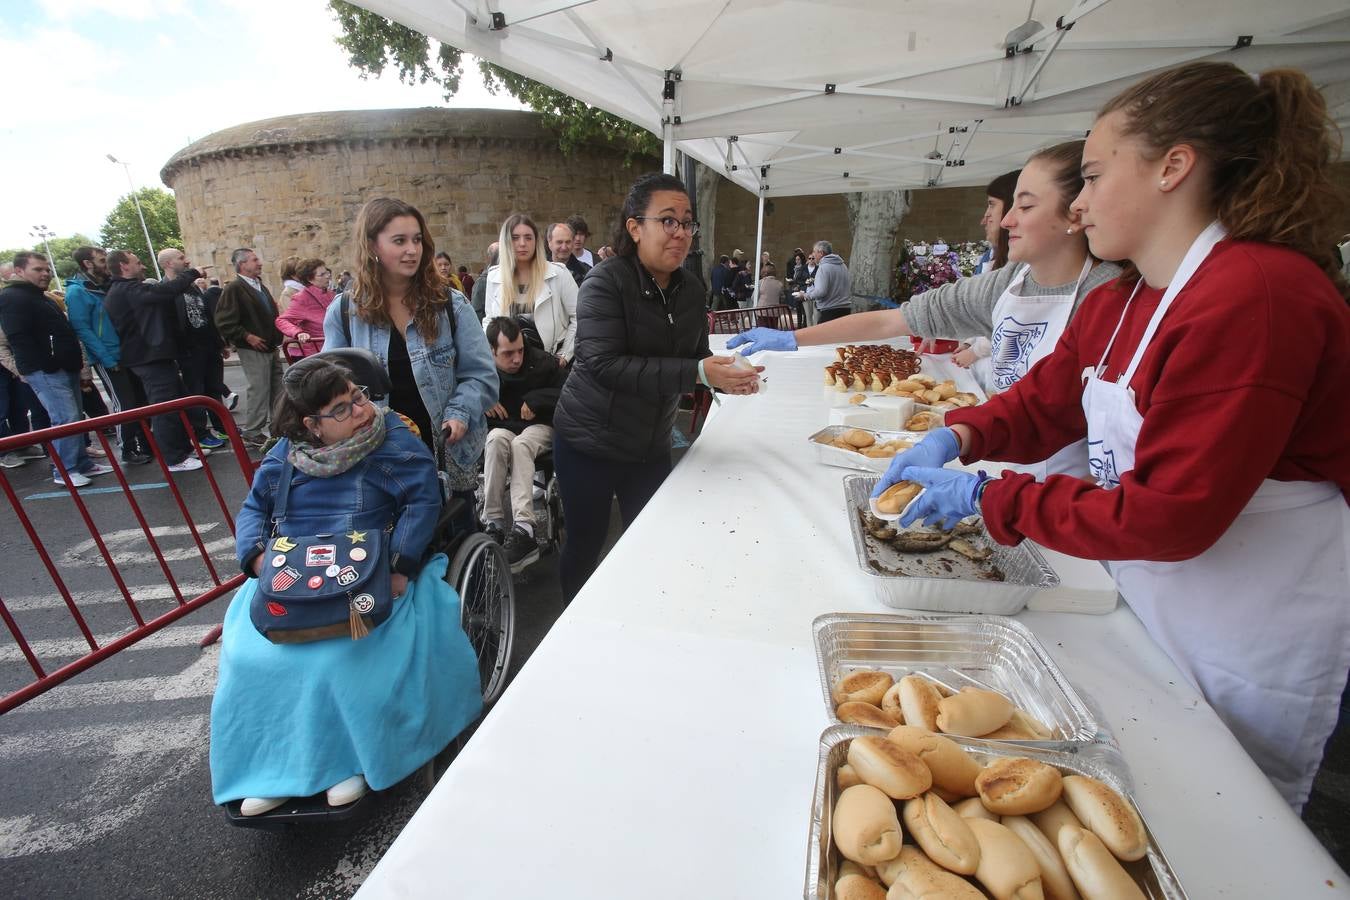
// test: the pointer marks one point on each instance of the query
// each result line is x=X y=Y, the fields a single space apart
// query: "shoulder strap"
x=346 y=325
x=450 y=314
x=283 y=493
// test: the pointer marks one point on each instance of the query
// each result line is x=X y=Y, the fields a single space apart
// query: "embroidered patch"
x=284 y=544
x=364 y=603
x=356 y=537
x=315 y=582
x=275 y=608
x=284 y=579
x=347 y=575
x=321 y=555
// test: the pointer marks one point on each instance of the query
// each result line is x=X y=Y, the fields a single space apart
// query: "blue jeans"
x=59 y=393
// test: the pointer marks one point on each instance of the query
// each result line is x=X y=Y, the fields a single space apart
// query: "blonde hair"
x=427 y=294
x=532 y=278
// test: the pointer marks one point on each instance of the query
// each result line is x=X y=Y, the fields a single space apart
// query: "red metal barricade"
x=44 y=680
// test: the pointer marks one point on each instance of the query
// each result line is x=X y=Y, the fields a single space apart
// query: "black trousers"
x=162 y=382
x=588 y=486
x=127 y=390
x=194 y=368
x=829 y=315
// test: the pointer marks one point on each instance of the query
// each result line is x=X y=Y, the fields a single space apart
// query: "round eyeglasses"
x=343 y=411
x=671 y=224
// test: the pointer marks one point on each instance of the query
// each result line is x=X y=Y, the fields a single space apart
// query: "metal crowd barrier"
x=45 y=680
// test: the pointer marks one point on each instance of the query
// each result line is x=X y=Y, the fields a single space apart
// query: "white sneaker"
x=189 y=464
x=12 y=461
x=348 y=790
x=97 y=469
x=256 y=806
x=75 y=478
x=95 y=450
x=231 y=400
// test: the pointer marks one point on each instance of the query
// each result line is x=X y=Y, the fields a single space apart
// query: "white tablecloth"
x=662 y=740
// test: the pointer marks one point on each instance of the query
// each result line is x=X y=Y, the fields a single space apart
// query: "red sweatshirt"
x=1247 y=378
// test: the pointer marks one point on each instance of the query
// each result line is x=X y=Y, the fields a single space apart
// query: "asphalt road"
x=105 y=781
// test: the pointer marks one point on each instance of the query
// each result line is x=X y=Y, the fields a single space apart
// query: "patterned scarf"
x=334 y=459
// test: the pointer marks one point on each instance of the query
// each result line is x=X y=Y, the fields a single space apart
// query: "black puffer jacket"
x=145 y=318
x=637 y=352
x=40 y=336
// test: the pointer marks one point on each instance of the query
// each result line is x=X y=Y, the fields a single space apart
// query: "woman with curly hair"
x=425 y=334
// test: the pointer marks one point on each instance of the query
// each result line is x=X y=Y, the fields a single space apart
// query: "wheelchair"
x=548 y=508
x=480 y=575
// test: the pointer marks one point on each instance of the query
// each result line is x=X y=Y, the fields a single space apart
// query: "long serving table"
x=662 y=740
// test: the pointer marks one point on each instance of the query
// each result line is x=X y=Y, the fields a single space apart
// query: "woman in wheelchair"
x=317 y=689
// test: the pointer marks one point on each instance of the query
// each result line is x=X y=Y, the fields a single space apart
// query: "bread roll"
x=1031 y=723
x=1055 y=817
x=849 y=867
x=1017 y=786
x=1021 y=727
x=896 y=497
x=866 y=686
x=845 y=777
x=974 y=808
x=1055 y=880
x=856 y=713
x=973 y=712
x=1107 y=815
x=913 y=876
x=865 y=827
x=954 y=770
x=1094 y=870
x=889 y=767
x=856 y=437
x=1007 y=868
x=942 y=834
x=919 y=700
x=857 y=886
x=890 y=703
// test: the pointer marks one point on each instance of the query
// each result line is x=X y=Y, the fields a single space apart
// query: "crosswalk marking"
x=197 y=680
x=69 y=648
x=86 y=599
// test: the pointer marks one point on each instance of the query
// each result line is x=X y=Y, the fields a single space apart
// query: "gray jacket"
x=965 y=308
x=833 y=287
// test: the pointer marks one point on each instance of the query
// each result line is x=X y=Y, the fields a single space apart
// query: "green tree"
x=122 y=229
x=374 y=43
x=62 y=250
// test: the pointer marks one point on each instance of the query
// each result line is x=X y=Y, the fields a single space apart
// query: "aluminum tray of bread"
x=970 y=573
x=990 y=653
x=1088 y=839
x=861 y=448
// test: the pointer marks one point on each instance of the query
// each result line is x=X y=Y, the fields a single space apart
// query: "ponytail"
x=1269 y=142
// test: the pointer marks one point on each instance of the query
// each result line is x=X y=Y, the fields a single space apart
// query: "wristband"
x=703 y=376
x=977 y=495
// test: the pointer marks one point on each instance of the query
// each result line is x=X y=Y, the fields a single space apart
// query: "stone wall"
x=293 y=185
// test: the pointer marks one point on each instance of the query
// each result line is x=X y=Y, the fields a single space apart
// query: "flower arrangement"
x=924 y=266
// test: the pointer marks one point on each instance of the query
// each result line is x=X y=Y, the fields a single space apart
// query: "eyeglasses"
x=343 y=411
x=672 y=225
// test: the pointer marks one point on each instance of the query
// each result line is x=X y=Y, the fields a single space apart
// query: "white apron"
x=1260 y=622
x=1026 y=329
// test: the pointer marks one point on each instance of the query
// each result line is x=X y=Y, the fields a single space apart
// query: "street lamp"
x=132 y=185
x=44 y=234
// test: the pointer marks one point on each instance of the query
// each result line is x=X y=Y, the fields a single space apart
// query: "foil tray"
x=847 y=459
x=991 y=652
x=1153 y=873
x=944 y=581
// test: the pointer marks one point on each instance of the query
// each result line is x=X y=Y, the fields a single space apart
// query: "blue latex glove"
x=757 y=339
x=949 y=495
x=933 y=452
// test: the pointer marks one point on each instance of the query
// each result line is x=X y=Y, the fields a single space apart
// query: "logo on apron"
x=1013 y=344
x=1102 y=465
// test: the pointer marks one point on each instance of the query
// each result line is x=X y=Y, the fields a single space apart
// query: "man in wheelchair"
x=520 y=430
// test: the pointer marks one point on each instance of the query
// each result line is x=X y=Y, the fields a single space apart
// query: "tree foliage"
x=62 y=248
x=374 y=43
x=122 y=229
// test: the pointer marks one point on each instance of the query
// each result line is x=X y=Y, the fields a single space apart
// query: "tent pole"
x=759 y=247
x=668 y=144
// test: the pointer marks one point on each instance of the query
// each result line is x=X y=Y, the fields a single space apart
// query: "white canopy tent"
x=800 y=97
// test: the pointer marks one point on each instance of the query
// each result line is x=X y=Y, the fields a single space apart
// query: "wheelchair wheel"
x=480 y=575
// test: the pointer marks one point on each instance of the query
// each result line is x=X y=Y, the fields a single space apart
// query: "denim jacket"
x=396 y=483
x=456 y=377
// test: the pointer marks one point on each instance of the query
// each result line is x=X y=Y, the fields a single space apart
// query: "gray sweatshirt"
x=833 y=287
x=965 y=308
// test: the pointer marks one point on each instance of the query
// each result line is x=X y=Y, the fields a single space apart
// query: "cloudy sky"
x=141 y=79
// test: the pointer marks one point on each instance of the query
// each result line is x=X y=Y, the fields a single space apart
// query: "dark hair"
x=23 y=256
x=304 y=273
x=83 y=255
x=464 y=269
x=724 y=258
x=1066 y=169
x=116 y=259
x=635 y=204
x=1002 y=189
x=426 y=295
x=1270 y=145
x=768 y=269
x=441 y=254
x=501 y=325
x=307 y=387
x=578 y=225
